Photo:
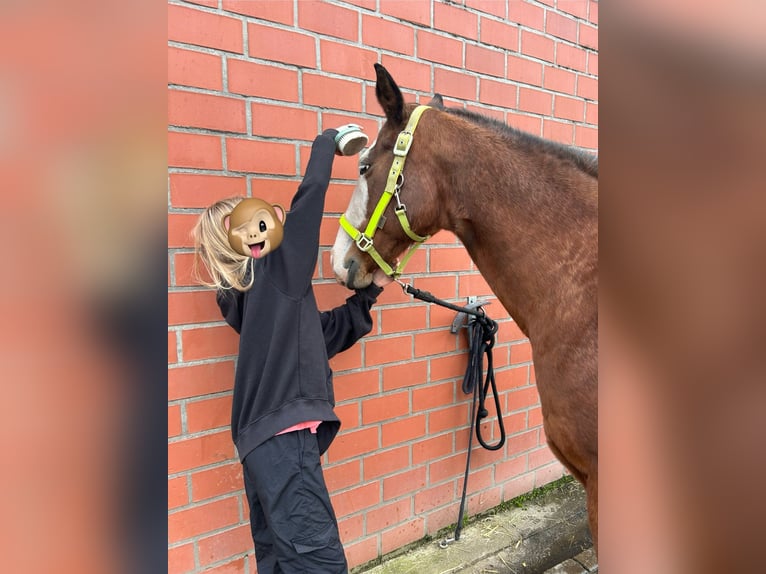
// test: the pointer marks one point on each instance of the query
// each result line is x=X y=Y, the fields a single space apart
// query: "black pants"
x=291 y=518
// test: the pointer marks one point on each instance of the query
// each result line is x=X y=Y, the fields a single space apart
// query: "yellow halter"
x=394 y=184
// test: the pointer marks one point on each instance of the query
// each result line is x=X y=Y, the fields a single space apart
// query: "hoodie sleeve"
x=292 y=264
x=230 y=302
x=345 y=325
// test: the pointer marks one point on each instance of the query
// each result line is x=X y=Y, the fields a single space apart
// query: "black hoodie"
x=283 y=376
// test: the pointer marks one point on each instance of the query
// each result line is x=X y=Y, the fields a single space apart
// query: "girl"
x=282 y=416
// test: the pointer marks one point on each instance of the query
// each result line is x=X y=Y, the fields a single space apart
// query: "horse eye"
x=363 y=168
x=262 y=226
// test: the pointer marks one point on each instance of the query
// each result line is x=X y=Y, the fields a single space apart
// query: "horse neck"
x=519 y=215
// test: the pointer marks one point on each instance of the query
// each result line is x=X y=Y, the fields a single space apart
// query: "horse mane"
x=585 y=161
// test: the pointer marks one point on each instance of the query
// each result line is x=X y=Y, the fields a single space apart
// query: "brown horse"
x=526 y=210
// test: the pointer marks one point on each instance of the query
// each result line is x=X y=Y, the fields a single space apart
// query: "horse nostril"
x=352 y=267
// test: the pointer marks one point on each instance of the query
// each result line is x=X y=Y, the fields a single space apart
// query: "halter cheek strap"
x=364 y=241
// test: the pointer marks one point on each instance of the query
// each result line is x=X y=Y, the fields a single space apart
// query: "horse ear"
x=437 y=102
x=389 y=96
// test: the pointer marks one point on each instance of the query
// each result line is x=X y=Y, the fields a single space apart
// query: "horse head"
x=361 y=247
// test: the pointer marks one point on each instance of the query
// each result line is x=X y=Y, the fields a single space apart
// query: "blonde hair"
x=227 y=268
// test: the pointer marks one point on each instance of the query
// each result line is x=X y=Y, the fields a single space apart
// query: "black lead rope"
x=481 y=338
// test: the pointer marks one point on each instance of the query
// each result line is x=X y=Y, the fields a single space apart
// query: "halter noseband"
x=394 y=184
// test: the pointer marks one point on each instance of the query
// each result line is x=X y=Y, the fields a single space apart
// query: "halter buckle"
x=403 y=143
x=364 y=243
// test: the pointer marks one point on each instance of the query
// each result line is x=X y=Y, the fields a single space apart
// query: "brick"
x=404 y=483
x=534 y=417
x=458 y=85
x=348 y=415
x=402 y=535
x=198 y=380
x=407 y=429
x=512 y=378
x=236 y=566
x=588 y=36
x=488 y=6
x=561 y=26
x=571 y=57
x=172 y=347
x=284 y=122
x=429 y=498
x=356 y=499
x=351 y=528
x=524 y=70
x=500 y=34
x=417 y=12
x=402 y=319
x=447 y=468
x=521 y=399
x=191 y=26
x=328 y=19
x=190 y=109
x=587 y=87
x=388 y=515
x=340 y=476
x=526 y=14
x=518 y=486
x=381 y=33
x=217 y=481
x=537 y=46
x=593 y=11
x=208 y=3
x=456 y=20
x=386 y=462
x=509 y=331
x=577 y=8
x=540 y=457
x=569 y=108
x=348 y=359
x=362 y=551
x=193 y=190
x=197 y=69
x=586 y=137
x=536 y=101
x=185 y=524
x=208 y=414
x=179 y=229
x=508 y=469
x=408 y=74
x=558 y=131
x=181 y=559
x=593 y=64
x=199 y=451
x=497 y=93
x=521 y=353
x=406 y=375
x=224 y=545
x=549 y=474
x=523 y=442
x=174 y=420
x=350 y=444
x=281 y=12
x=441 y=49
x=252 y=79
x=431 y=449
x=356 y=385
x=388 y=350
x=192 y=307
x=178 y=493
x=451 y=366
x=194 y=150
x=209 y=342
x=591 y=113
x=485 y=61
x=332 y=93
x=386 y=407
x=346 y=60
x=559 y=80
x=270 y=43
x=529 y=124
x=260 y=157
x=450 y=418
x=433 y=396
x=435 y=343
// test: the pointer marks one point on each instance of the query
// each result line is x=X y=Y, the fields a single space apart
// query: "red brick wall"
x=250 y=84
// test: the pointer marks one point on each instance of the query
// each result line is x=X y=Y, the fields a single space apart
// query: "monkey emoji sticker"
x=255 y=227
